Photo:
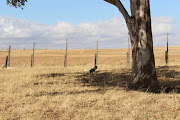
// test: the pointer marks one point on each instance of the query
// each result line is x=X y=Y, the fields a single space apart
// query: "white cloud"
x=160 y=27
x=163 y=19
x=111 y=33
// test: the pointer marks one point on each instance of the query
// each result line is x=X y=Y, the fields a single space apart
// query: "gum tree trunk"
x=139 y=26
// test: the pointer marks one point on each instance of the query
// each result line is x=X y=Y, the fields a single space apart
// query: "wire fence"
x=67 y=56
x=44 y=57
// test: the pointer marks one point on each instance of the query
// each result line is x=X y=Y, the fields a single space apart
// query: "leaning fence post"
x=9 y=53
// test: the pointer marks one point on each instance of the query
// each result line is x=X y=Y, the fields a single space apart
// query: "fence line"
x=7 y=63
x=8 y=57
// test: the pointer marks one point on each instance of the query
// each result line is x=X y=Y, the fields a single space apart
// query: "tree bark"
x=143 y=66
x=139 y=26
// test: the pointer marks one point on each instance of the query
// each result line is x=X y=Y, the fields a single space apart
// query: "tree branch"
x=110 y=1
x=122 y=9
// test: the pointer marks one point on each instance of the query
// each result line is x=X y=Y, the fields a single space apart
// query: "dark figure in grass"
x=91 y=71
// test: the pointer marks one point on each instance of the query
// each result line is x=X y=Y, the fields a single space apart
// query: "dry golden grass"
x=51 y=92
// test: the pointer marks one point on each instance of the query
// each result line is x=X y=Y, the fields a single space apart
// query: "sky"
x=82 y=22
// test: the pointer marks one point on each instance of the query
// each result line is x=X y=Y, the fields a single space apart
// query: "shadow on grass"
x=169 y=79
x=102 y=81
x=106 y=79
x=47 y=76
x=50 y=75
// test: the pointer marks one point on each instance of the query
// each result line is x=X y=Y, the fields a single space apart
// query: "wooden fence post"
x=128 y=54
x=31 y=60
x=166 y=52
x=6 y=61
x=65 y=60
x=95 y=59
x=65 y=57
x=9 y=54
x=96 y=63
x=166 y=57
x=32 y=56
x=128 y=59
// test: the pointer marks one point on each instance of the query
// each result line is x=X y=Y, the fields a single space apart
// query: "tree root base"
x=143 y=88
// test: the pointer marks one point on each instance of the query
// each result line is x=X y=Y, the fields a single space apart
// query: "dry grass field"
x=49 y=91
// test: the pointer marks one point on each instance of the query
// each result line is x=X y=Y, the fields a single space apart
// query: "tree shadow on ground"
x=50 y=75
x=106 y=79
x=101 y=80
x=47 y=76
x=57 y=81
x=169 y=79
